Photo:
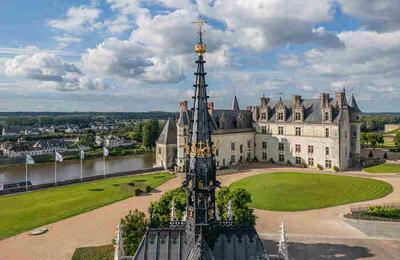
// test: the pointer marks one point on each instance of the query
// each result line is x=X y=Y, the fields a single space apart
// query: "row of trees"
x=375 y=139
x=376 y=122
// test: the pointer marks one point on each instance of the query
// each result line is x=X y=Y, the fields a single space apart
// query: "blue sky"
x=133 y=55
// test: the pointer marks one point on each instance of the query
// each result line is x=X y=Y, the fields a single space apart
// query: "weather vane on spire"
x=200 y=48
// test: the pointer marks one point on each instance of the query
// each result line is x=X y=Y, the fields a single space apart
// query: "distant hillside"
x=375 y=122
x=9 y=119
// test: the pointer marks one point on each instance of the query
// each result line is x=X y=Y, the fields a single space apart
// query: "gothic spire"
x=353 y=104
x=235 y=104
x=200 y=170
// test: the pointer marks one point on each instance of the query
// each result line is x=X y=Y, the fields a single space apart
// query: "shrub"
x=304 y=165
x=137 y=191
x=148 y=188
x=319 y=166
x=335 y=168
x=134 y=226
x=271 y=160
x=289 y=163
x=384 y=212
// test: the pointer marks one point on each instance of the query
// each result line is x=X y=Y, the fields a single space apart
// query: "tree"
x=134 y=226
x=397 y=140
x=364 y=139
x=380 y=140
x=151 y=131
x=88 y=138
x=161 y=209
x=240 y=199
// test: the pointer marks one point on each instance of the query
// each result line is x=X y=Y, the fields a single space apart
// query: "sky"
x=133 y=55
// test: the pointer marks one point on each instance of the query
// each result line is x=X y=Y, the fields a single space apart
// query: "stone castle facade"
x=321 y=132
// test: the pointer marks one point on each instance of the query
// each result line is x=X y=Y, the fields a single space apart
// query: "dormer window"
x=326 y=116
x=263 y=116
x=280 y=116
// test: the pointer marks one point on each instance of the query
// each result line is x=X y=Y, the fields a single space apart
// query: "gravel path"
x=97 y=227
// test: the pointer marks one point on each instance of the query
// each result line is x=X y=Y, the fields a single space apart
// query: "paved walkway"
x=97 y=227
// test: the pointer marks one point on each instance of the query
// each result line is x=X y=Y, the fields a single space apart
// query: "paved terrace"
x=311 y=231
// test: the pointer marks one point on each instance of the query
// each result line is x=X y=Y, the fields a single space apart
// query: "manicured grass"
x=290 y=191
x=26 y=211
x=94 y=253
x=384 y=168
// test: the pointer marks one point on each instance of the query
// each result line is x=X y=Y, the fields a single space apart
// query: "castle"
x=322 y=133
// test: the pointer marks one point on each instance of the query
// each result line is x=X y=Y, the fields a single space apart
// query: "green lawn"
x=94 y=253
x=290 y=191
x=26 y=211
x=384 y=168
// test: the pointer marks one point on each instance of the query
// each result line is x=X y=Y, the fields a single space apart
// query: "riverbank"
x=71 y=169
x=95 y=152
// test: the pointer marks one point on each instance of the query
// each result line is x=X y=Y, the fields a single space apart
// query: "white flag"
x=82 y=154
x=29 y=159
x=59 y=157
x=105 y=152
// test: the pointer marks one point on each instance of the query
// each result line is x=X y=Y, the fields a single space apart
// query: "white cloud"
x=66 y=40
x=377 y=14
x=79 y=19
x=50 y=71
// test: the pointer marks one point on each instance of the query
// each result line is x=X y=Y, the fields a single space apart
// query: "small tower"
x=355 y=132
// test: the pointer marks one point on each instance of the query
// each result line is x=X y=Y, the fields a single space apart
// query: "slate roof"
x=233 y=242
x=168 y=134
x=353 y=104
x=312 y=110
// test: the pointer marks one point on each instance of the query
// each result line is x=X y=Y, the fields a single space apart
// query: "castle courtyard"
x=310 y=229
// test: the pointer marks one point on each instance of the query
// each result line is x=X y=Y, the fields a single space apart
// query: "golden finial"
x=200 y=48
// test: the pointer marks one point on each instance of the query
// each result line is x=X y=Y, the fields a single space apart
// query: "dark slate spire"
x=353 y=104
x=200 y=173
x=235 y=104
x=168 y=134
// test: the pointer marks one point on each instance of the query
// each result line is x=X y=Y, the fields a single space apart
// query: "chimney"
x=296 y=100
x=324 y=97
x=264 y=101
x=210 y=106
x=341 y=99
x=183 y=105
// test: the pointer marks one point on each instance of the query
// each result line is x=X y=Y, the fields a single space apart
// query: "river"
x=70 y=169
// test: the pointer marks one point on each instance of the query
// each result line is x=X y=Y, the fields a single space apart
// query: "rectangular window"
x=264 y=156
x=264 y=145
x=159 y=150
x=280 y=130
x=232 y=146
x=281 y=158
x=241 y=148
x=280 y=116
x=298 y=148
x=310 y=149
x=328 y=164
x=217 y=163
x=326 y=151
x=248 y=144
x=232 y=159
x=263 y=116
x=216 y=152
x=298 y=160
x=264 y=129
x=281 y=147
x=326 y=132
x=297 y=116
x=311 y=161
x=298 y=130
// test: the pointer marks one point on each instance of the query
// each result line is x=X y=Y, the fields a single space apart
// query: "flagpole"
x=104 y=166
x=55 y=171
x=81 y=170
x=26 y=174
